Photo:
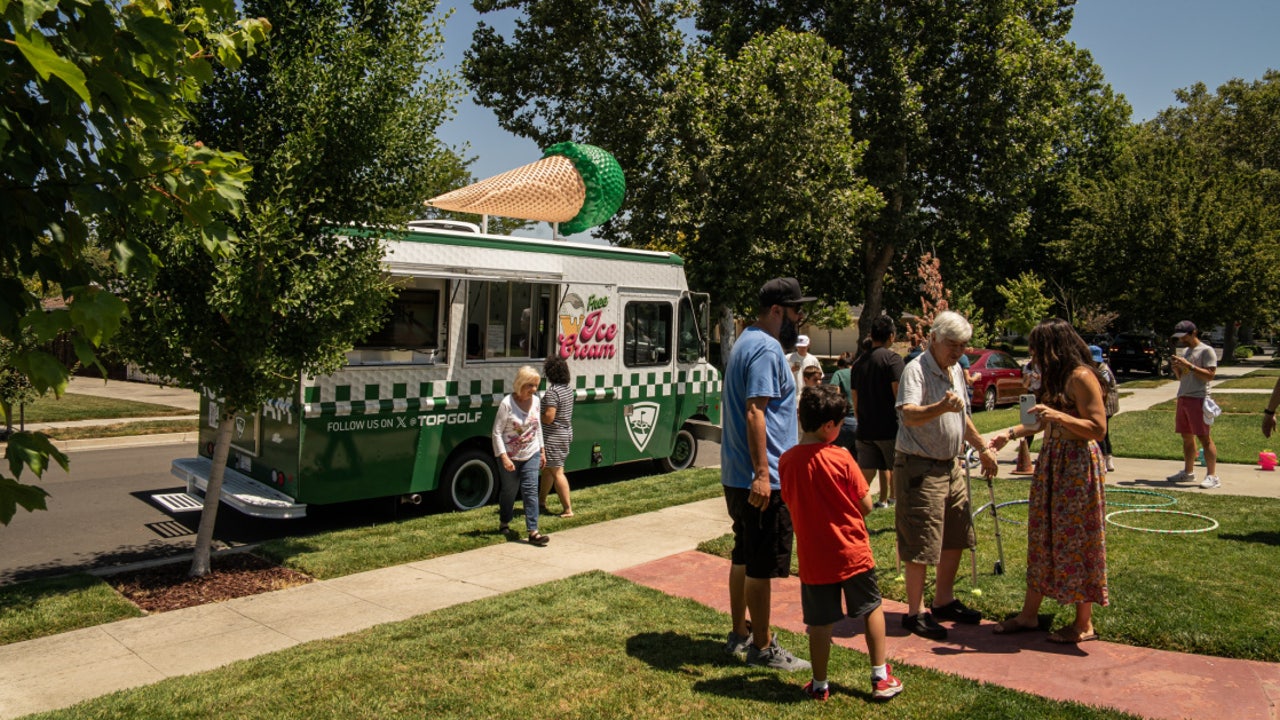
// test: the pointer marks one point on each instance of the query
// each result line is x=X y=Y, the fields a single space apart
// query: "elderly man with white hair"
x=932 y=512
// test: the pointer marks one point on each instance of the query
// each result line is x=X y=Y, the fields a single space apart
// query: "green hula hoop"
x=1171 y=500
x=1211 y=527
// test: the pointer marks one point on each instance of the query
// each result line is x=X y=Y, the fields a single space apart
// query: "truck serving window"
x=646 y=334
x=508 y=320
x=412 y=324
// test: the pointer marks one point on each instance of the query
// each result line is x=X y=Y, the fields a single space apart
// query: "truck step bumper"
x=238 y=490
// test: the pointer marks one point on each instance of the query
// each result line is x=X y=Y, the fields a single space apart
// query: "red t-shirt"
x=822 y=487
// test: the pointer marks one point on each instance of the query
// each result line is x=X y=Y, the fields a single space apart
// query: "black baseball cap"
x=782 y=291
x=1186 y=327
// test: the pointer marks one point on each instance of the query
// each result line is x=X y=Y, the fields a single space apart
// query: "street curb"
x=122 y=441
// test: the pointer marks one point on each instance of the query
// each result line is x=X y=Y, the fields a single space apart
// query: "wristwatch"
x=1269 y=412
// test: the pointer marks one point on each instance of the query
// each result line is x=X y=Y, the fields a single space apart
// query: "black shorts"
x=821 y=603
x=761 y=538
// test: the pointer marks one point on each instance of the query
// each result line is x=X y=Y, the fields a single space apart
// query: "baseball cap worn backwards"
x=782 y=291
x=1186 y=327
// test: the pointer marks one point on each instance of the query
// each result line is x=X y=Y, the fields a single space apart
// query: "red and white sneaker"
x=820 y=695
x=886 y=688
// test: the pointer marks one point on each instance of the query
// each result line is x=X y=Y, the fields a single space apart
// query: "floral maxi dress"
x=1066 y=543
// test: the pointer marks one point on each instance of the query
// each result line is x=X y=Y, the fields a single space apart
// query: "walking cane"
x=973 y=551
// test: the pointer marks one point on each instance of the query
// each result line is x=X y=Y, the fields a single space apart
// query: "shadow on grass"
x=1263 y=537
x=674 y=652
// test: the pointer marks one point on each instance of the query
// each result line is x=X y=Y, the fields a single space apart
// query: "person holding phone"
x=1195 y=369
x=1066 y=543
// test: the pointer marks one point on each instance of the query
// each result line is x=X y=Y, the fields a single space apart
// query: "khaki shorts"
x=932 y=512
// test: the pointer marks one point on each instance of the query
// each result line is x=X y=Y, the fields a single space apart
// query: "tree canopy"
x=744 y=165
x=961 y=107
x=95 y=95
x=1184 y=224
x=338 y=118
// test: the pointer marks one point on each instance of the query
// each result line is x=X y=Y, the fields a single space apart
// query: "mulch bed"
x=233 y=575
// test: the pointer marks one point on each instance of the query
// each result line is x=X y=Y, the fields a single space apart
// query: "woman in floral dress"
x=1066 y=547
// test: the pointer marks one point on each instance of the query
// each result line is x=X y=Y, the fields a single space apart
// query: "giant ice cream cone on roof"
x=574 y=184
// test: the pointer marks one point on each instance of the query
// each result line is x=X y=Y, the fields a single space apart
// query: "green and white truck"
x=411 y=414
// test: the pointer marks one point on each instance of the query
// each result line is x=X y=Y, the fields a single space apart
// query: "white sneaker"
x=1211 y=482
x=1182 y=476
x=1111 y=466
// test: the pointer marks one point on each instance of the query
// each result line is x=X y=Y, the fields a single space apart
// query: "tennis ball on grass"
x=977 y=592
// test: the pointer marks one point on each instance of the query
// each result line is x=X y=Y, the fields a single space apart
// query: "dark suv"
x=1137 y=351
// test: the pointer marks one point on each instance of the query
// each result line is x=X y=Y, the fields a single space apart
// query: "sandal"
x=1069 y=635
x=566 y=514
x=1011 y=626
x=537 y=538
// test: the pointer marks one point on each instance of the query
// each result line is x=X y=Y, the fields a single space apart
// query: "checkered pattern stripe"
x=437 y=395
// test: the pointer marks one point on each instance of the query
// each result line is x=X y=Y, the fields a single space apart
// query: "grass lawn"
x=91 y=407
x=1149 y=433
x=1252 y=381
x=590 y=646
x=988 y=421
x=148 y=427
x=1147 y=383
x=343 y=552
x=1209 y=593
x=55 y=605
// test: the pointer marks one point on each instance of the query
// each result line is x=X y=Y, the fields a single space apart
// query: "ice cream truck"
x=411 y=413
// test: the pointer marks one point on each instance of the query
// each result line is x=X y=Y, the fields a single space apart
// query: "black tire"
x=683 y=453
x=989 y=399
x=469 y=481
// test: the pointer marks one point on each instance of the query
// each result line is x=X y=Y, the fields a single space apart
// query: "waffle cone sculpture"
x=574 y=184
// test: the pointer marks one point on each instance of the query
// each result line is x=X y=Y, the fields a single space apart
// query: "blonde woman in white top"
x=517 y=443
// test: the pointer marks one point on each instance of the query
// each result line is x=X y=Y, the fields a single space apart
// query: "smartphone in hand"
x=1025 y=403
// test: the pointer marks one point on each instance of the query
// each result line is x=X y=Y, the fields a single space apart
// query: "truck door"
x=647 y=402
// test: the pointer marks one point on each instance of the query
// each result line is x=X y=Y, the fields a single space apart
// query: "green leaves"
x=32 y=450
x=96 y=96
x=47 y=63
x=14 y=493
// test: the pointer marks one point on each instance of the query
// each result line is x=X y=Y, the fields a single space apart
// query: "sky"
x=1147 y=49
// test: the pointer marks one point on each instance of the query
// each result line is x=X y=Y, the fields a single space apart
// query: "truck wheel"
x=469 y=481
x=989 y=400
x=683 y=454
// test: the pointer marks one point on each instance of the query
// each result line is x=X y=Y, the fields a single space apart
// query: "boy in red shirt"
x=828 y=498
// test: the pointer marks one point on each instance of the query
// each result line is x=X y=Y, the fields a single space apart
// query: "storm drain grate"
x=178 y=502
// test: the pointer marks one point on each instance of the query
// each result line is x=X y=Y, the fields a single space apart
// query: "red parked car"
x=998 y=381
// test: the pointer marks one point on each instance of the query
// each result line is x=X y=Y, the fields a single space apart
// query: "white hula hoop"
x=1213 y=526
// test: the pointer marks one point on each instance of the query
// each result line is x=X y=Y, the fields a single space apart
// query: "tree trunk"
x=200 y=562
x=877 y=257
x=728 y=333
x=1229 y=343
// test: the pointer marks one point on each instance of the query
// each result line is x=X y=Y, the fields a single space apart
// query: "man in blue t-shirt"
x=759 y=424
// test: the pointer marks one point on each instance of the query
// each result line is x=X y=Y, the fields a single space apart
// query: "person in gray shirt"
x=932 y=512
x=1195 y=369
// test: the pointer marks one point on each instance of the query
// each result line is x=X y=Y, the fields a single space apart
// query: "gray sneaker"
x=736 y=644
x=775 y=657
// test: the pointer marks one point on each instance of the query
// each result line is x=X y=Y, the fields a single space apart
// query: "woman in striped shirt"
x=557 y=432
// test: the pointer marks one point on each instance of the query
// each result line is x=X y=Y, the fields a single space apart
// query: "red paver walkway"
x=1150 y=683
